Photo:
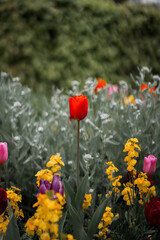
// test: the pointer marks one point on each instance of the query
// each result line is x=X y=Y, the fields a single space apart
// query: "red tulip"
x=3 y=200
x=78 y=107
x=152 y=212
x=100 y=85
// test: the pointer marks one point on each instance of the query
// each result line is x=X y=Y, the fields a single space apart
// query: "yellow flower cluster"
x=131 y=147
x=128 y=193
x=115 y=180
x=14 y=198
x=45 y=220
x=146 y=191
x=55 y=163
x=87 y=201
x=105 y=222
x=48 y=213
x=46 y=174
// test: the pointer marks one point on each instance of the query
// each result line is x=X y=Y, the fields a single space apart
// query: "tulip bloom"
x=56 y=186
x=78 y=107
x=145 y=86
x=3 y=200
x=3 y=152
x=152 y=212
x=149 y=165
x=100 y=85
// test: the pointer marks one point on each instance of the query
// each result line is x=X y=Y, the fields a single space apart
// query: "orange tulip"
x=100 y=85
x=145 y=86
x=78 y=107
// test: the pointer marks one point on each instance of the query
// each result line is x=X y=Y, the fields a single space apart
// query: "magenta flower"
x=3 y=152
x=149 y=165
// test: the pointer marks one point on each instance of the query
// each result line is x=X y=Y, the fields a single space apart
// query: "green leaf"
x=70 y=195
x=61 y=222
x=12 y=232
x=78 y=229
x=81 y=192
x=92 y=228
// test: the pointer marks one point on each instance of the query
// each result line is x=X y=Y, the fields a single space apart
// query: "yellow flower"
x=14 y=199
x=87 y=201
x=45 y=236
x=105 y=222
x=70 y=237
x=128 y=194
x=46 y=174
x=130 y=99
x=55 y=162
x=131 y=146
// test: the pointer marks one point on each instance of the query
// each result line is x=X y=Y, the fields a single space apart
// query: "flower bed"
x=102 y=181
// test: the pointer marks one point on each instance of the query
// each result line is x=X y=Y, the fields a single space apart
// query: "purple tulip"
x=3 y=152
x=149 y=165
x=56 y=186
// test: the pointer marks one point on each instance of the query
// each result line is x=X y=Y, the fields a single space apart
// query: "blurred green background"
x=47 y=42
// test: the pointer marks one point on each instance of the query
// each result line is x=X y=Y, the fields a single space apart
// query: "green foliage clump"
x=55 y=42
x=25 y=133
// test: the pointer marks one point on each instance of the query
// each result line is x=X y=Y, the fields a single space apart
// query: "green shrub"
x=55 y=42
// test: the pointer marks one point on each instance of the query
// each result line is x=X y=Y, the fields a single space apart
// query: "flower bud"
x=3 y=152
x=78 y=107
x=44 y=186
x=149 y=165
x=57 y=185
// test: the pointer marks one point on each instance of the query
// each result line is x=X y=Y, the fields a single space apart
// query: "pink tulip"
x=112 y=88
x=149 y=165
x=3 y=152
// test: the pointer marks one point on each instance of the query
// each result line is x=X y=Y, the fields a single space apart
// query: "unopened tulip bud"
x=3 y=152
x=149 y=165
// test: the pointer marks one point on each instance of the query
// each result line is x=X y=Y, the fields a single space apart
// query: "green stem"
x=77 y=169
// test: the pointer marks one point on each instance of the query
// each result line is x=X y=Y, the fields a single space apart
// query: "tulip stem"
x=77 y=169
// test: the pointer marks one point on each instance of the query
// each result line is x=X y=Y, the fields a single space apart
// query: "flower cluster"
x=128 y=193
x=137 y=181
x=50 y=201
x=115 y=180
x=45 y=220
x=105 y=222
x=87 y=201
x=55 y=163
x=130 y=147
x=14 y=199
x=146 y=191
